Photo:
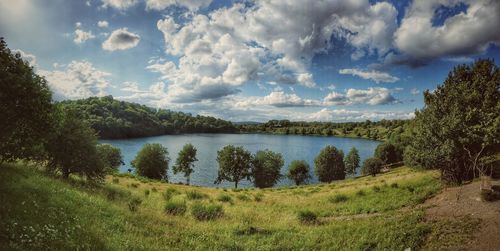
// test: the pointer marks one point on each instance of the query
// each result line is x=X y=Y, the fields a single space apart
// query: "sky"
x=327 y=60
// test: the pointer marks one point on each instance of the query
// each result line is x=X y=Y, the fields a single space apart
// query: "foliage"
x=133 y=204
x=307 y=217
x=185 y=161
x=152 y=161
x=459 y=124
x=225 y=198
x=72 y=147
x=388 y=153
x=119 y=119
x=329 y=164
x=110 y=156
x=175 y=207
x=202 y=212
x=266 y=166
x=298 y=171
x=372 y=166
x=339 y=198
x=234 y=164
x=25 y=106
x=351 y=161
x=195 y=195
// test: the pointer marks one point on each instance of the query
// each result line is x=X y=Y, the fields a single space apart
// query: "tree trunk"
x=187 y=180
x=236 y=185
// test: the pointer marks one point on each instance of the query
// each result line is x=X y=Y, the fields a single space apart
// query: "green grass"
x=38 y=211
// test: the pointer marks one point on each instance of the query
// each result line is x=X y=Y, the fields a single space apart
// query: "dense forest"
x=119 y=119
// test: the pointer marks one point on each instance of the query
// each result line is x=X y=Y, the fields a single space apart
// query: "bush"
x=372 y=166
x=113 y=193
x=258 y=197
x=339 y=198
x=329 y=164
x=110 y=156
x=206 y=212
x=195 y=195
x=388 y=153
x=175 y=207
x=152 y=161
x=243 y=197
x=298 y=171
x=307 y=217
x=133 y=204
x=225 y=198
x=266 y=166
x=167 y=195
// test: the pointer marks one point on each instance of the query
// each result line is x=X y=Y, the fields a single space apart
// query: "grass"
x=38 y=211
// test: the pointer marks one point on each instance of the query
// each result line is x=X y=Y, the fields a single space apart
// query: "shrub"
x=372 y=166
x=206 y=212
x=258 y=197
x=167 y=195
x=195 y=195
x=133 y=204
x=175 y=207
x=113 y=193
x=307 y=217
x=266 y=166
x=243 y=197
x=225 y=198
x=329 y=164
x=110 y=156
x=152 y=161
x=339 y=198
x=298 y=171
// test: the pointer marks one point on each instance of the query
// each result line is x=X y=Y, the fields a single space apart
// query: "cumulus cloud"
x=103 y=24
x=414 y=91
x=466 y=33
x=81 y=36
x=79 y=79
x=192 y=5
x=277 y=98
x=376 y=76
x=30 y=58
x=342 y=115
x=121 y=39
x=119 y=4
x=370 y=96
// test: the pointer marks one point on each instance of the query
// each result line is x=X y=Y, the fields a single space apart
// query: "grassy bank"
x=39 y=211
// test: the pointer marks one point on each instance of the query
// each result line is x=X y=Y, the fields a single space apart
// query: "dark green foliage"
x=72 y=147
x=110 y=156
x=234 y=164
x=339 y=198
x=460 y=123
x=307 y=217
x=152 y=161
x=329 y=164
x=203 y=212
x=119 y=119
x=388 y=153
x=185 y=161
x=351 y=161
x=372 y=166
x=25 y=108
x=175 y=207
x=298 y=171
x=266 y=166
x=134 y=203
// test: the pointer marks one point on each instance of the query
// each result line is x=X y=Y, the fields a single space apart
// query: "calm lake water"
x=292 y=147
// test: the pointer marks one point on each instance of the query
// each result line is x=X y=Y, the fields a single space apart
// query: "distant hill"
x=113 y=119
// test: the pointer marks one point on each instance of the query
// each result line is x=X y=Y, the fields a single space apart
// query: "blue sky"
x=326 y=60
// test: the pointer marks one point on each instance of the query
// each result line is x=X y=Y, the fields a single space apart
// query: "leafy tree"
x=185 y=161
x=298 y=171
x=266 y=166
x=152 y=161
x=71 y=147
x=388 y=153
x=459 y=124
x=25 y=107
x=352 y=160
x=234 y=164
x=329 y=164
x=110 y=156
x=372 y=166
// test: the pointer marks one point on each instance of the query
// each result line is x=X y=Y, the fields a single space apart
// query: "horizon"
x=335 y=61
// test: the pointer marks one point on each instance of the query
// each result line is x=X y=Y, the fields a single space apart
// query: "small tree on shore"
x=351 y=161
x=266 y=166
x=298 y=171
x=372 y=166
x=110 y=156
x=234 y=164
x=330 y=164
x=185 y=161
x=152 y=161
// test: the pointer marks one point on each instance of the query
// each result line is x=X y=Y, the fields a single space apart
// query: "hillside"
x=120 y=119
x=39 y=211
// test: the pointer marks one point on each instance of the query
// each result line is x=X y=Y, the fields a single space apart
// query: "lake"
x=292 y=147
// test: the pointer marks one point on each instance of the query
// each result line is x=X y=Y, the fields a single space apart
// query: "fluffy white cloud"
x=192 y=5
x=121 y=39
x=277 y=98
x=119 y=4
x=414 y=91
x=30 y=58
x=79 y=79
x=370 y=96
x=376 y=76
x=343 y=115
x=81 y=36
x=103 y=24
x=465 y=33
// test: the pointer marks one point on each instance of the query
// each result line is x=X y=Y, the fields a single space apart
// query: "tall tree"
x=152 y=161
x=266 y=166
x=459 y=124
x=25 y=107
x=298 y=171
x=351 y=161
x=234 y=164
x=185 y=161
x=329 y=164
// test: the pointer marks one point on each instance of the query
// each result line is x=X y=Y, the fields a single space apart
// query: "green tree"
x=459 y=124
x=298 y=171
x=388 y=153
x=234 y=164
x=372 y=166
x=152 y=161
x=71 y=147
x=266 y=166
x=352 y=160
x=110 y=156
x=185 y=161
x=25 y=107
x=329 y=164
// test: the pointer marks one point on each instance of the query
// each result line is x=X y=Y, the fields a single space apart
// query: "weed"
x=339 y=198
x=202 y=212
x=175 y=207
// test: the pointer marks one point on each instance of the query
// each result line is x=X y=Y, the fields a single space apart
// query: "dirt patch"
x=453 y=204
